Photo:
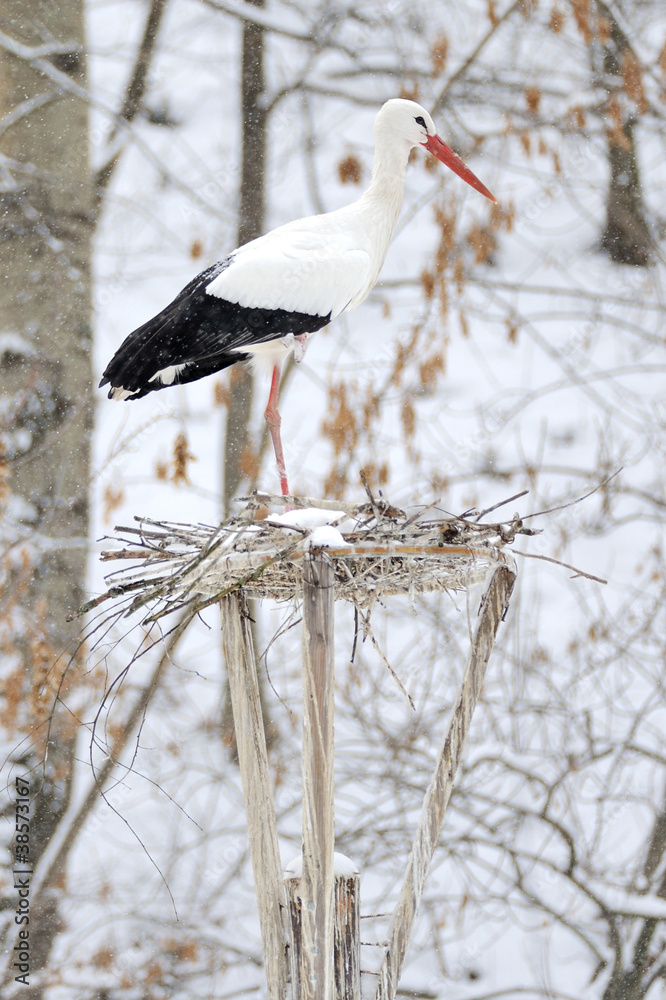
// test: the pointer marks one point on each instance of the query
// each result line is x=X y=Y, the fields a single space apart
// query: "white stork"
x=267 y=297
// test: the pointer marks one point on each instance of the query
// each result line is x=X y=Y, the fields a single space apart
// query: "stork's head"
x=408 y=122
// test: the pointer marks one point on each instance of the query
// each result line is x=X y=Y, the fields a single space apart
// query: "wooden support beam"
x=257 y=790
x=493 y=609
x=347 y=938
x=347 y=933
x=316 y=979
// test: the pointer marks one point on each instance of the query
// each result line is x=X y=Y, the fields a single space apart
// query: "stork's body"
x=267 y=297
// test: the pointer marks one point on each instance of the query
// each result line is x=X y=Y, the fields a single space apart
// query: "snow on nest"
x=327 y=537
x=376 y=551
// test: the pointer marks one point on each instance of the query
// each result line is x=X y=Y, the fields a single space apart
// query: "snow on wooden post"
x=257 y=790
x=347 y=935
x=494 y=606
x=316 y=890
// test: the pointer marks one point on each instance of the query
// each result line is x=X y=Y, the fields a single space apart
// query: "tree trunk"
x=626 y=236
x=45 y=395
x=640 y=966
x=250 y=225
x=237 y=449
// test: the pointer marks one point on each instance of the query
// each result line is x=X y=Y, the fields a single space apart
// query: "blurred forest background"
x=509 y=347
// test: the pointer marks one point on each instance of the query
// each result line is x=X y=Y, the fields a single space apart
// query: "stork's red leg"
x=274 y=420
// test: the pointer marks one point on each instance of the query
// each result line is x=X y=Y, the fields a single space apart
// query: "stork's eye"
x=419 y=121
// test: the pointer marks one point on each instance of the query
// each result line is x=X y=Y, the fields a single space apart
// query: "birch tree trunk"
x=45 y=388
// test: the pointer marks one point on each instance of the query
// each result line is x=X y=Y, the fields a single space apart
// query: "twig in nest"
x=259 y=499
x=366 y=484
x=502 y=503
x=420 y=513
x=558 y=562
x=353 y=650
x=368 y=632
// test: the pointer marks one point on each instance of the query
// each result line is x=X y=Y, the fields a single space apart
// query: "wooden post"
x=347 y=934
x=347 y=939
x=257 y=790
x=315 y=975
x=494 y=606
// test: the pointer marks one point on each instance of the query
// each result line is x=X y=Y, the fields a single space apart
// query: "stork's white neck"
x=381 y=203
x=388 y=178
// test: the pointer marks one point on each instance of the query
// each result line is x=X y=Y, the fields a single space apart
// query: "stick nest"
x=381 y=551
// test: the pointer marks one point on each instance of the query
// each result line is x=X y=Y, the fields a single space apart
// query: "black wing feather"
x=200 y=331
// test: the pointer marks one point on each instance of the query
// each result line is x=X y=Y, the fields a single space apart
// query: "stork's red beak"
x=438 y=148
